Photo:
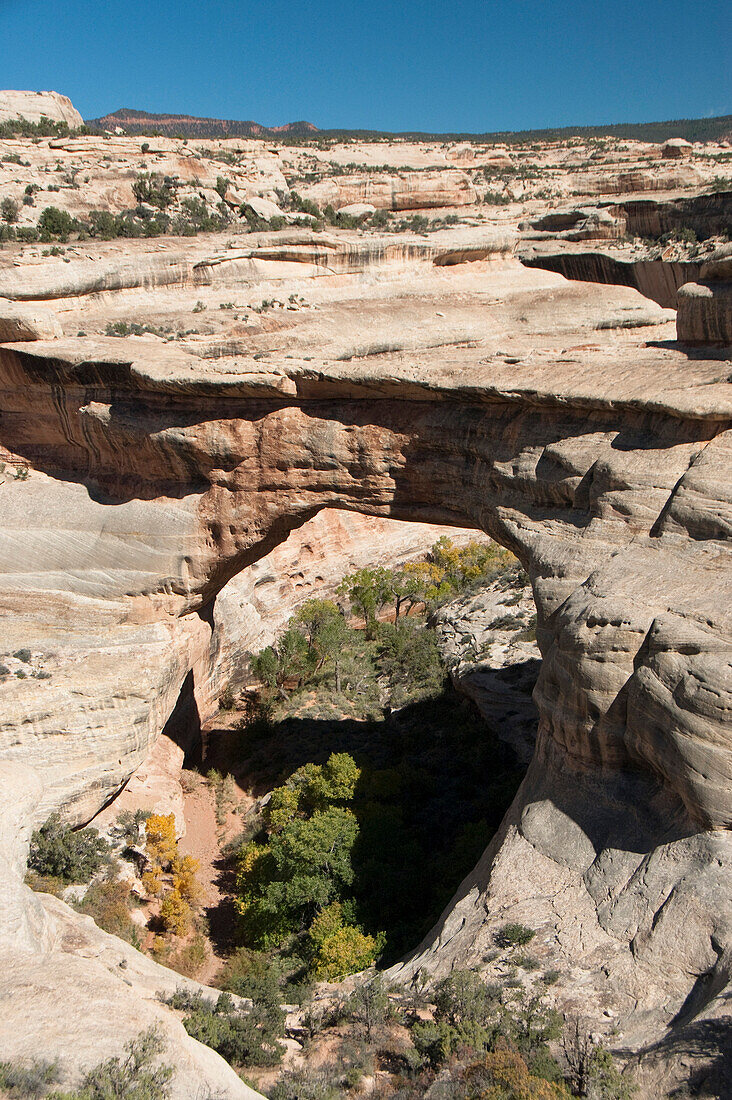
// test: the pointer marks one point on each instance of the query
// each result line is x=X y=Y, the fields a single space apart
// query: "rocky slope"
x=33 y=106
x=143 y=473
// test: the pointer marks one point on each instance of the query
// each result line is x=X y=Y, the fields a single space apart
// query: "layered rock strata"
x=705 y=306
x=659 y=280
x=412 y=191
x=487 y=396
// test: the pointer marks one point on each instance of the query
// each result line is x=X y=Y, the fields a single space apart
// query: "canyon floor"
x=201 y=428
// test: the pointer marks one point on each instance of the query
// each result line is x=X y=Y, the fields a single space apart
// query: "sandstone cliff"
x=33 y=106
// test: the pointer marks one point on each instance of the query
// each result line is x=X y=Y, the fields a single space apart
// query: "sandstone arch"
x=158 y=480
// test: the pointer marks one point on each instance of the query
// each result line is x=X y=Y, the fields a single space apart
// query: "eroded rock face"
x=34 y=106
x=477 y=394
x=412 y=191
x=656 y=279
x=705 y=307
x=19 y=321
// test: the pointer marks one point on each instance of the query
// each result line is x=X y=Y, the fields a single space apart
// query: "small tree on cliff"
x=57 y=850
x=288 y=659
x=326 y=630
x=368 y=591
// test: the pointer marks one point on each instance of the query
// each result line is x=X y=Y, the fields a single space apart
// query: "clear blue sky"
x=469 y=65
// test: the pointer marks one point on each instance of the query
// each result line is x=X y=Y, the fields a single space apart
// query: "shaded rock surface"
x=705 y=306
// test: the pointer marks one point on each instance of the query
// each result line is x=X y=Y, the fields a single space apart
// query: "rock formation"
x=705 y=306
x=33 y=106
x=412 y=191
x=387 y=376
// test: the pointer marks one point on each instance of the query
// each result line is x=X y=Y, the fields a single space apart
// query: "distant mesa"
x=130 y=121
x=36 y=106
x=146 y=122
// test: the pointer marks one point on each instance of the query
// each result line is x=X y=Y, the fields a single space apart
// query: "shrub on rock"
x=57 y=850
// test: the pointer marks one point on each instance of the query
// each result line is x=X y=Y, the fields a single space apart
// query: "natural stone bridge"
x=156 y=475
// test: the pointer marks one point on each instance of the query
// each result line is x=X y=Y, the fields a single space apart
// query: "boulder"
x=263 y=208
x=357 y=209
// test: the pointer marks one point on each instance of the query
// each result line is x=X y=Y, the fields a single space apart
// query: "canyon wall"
x=141 y=476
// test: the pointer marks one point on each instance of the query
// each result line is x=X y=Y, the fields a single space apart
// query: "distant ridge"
x=189 y=126
x=146 y=122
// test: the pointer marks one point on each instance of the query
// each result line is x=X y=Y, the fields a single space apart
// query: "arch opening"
x=457 y=750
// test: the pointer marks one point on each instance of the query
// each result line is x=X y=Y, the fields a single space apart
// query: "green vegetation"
x=514 y=935
x=21 y=127
x=301 y=879
x=108 y=903
x=244 y=1037
x=464 y=1041
x=149 y=219
x=55 y=224
x=155 y=190
x=481 y=1041
x=387 y=786
x=224 y=788
x=302 y=133
x=136 y=1076
x=28 y=1082
x=196 y=218
x=123 y=328
x=497 y=198
x=71 y=856
x=9 y=211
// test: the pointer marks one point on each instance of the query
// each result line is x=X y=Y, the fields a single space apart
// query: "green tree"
x=589 y=1066
x=338 y=949
x=55 y=224
x=104 y=225
x=410 y=656
x=9 y=210
x=530 y=1025
x=151 y=188
x=368 y=591
x=369 y=1005
x=326 y=631
x=243 y=1037
x=288 y=659
x=463 y=998
x=306 y=865
x=313 y=861
x=57 y=850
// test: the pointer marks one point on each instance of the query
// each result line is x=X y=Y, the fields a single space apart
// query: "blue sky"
x=469 y=65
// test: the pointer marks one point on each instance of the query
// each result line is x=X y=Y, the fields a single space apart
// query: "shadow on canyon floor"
x=435 y=785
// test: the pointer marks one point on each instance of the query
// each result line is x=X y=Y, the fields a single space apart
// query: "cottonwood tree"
x=368 y=591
